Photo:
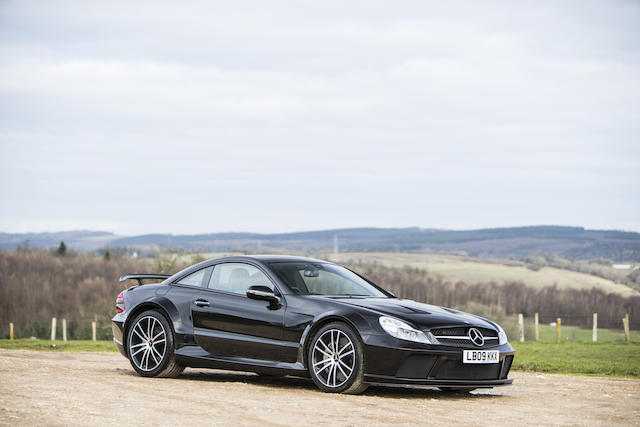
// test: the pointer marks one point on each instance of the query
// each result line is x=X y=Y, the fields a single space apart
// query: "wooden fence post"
x=625 y=324
x=535 y=318
x=53 y=329
x=93 y=331
x=11 y=331
x=64 y=329
x=521 y=326
x=595 y=327
x=558 y=331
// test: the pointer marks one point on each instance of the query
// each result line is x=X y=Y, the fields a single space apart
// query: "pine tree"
x=62 y=249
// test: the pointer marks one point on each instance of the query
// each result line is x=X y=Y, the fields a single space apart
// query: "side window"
x=237 y=278
x=195 y=279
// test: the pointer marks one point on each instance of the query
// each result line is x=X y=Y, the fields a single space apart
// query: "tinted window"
x=237 y=278
x=194 y=279
x=323 y=279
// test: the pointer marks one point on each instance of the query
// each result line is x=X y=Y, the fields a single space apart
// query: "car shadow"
x=297 y=383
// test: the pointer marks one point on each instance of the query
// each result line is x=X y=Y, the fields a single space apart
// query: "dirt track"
x=101 y=388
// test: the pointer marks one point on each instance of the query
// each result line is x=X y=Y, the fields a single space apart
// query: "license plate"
x=480 y=356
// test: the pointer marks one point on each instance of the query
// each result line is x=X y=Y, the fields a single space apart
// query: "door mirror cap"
x=262 y=293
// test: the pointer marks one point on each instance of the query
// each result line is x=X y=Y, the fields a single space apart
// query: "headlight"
x=502 y=336
x=401 y=330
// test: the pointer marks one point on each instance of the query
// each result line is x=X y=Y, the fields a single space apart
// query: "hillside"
x=454 y=268
x=80 y=240
x=570 y=242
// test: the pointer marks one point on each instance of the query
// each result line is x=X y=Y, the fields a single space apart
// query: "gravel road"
x=101 y=388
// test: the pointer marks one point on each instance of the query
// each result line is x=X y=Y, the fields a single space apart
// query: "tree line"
x=36 y=285
x=574 y=306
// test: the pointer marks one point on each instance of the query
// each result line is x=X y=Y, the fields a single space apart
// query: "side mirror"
x=263 y=293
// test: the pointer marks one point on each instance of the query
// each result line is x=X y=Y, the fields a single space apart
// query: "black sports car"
x=278 y=315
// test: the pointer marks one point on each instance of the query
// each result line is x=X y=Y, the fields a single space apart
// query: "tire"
x=336 y=361
x=456 y=390
x=153 y=358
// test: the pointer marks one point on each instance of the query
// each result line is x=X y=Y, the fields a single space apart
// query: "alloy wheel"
x=333 y=358
x=147 y=343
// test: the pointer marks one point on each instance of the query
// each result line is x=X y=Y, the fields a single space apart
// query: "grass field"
x=579 y=358
x=572 y=333
x=79 y=345
x=478 y=270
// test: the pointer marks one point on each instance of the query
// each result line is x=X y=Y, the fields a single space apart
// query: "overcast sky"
x=139 y=117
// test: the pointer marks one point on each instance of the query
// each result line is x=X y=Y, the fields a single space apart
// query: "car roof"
x=240 y=258
x=270 y=258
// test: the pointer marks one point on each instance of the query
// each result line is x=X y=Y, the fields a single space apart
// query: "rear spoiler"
x=140 y=277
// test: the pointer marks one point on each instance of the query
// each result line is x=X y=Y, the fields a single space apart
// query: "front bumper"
x=390 y=360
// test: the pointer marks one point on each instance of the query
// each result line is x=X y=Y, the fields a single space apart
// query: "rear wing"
x=140 y=277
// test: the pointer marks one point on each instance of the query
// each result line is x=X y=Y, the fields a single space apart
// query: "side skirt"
x=195 y=356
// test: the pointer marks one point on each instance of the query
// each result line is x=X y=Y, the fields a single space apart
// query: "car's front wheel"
x=150 y=346
x=336 y=360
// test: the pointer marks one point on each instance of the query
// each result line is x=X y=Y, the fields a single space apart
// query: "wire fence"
x=95 y=328
x=559 y=328
x=586 y=320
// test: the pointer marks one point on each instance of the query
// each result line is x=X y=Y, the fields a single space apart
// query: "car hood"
x=424 y=316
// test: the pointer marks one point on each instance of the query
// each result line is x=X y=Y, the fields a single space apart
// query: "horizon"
x=435 y=229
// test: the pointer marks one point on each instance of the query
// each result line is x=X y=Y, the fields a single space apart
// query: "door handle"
x=201 y=303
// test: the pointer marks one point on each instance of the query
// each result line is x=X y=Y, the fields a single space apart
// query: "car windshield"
x=307 y=278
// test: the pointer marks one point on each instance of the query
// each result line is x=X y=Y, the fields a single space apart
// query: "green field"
x=79 y=345
x=478 y=270
x=579 y=358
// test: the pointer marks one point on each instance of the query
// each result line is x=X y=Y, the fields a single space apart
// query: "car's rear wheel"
x=336 y=360
x=150 y=346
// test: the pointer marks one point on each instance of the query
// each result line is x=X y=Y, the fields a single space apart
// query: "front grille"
x=459 y=336
x=462 y=331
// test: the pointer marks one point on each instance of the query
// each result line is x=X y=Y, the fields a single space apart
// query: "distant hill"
x=80 y=240
x=571 y=242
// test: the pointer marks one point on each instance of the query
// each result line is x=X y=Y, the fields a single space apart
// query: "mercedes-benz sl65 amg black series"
x=277 y=315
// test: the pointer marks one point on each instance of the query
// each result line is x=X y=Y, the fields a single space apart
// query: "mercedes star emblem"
x=476 y=337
